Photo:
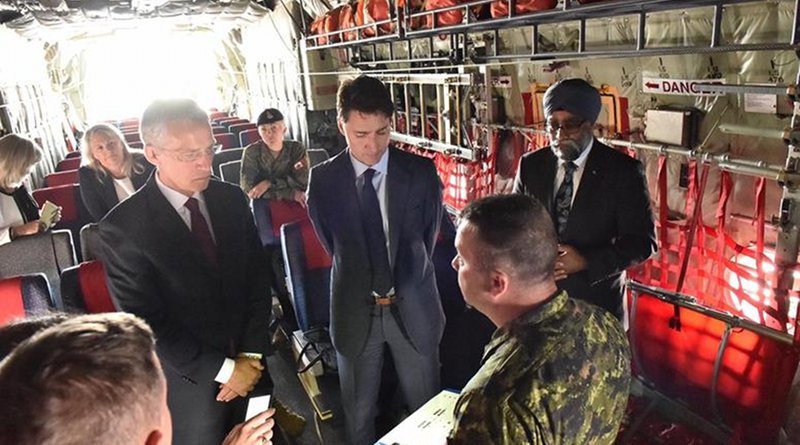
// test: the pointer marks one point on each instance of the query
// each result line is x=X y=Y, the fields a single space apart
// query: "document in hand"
x=428 y=425
x=48 y=214
x=257 y=405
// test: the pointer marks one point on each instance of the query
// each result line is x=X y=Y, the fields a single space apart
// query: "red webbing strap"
x=663 y=214
x=696 y=194
x=12 y=306
x=725 y=193
x=761 y=187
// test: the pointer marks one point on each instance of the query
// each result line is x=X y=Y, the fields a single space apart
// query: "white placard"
x=761 y=103
x=256 y=405
x=428 y=425
x=680 y=87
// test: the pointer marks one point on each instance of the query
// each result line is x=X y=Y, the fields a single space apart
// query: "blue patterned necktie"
x=563 y=201
x=376 y=238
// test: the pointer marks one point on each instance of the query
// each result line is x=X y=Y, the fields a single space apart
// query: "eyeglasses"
x=568 y=127
x=193 y=155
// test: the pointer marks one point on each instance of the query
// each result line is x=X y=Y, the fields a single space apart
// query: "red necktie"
x=201 y=232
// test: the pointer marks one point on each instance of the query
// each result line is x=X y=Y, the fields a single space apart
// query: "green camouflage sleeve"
x=493 y=422
x=298 y=180
x=249 y=172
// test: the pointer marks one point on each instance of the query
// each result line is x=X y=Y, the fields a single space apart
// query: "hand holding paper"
x=50 y=215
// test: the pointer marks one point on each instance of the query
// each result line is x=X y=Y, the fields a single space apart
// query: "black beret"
x=269 y=116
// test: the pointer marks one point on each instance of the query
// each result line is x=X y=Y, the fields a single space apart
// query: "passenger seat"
x=47 y=253
x=24 y=295
x=84 y=289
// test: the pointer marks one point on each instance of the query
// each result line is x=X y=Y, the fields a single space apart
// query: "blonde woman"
x=111 y=171
x=19 y=214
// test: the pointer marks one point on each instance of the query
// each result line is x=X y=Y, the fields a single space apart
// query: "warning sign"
x=683 y=87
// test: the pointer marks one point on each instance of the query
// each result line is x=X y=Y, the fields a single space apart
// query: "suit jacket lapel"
x=346 y=190
x=397 y=184
x=217 y=211
x=544 y=181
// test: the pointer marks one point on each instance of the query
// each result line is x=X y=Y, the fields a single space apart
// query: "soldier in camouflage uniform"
x=557 y=370
x=274 y=168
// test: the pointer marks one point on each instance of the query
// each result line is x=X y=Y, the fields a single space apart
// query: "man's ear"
x=155 y=438
x=340 y=123
x=150 y=154
x=498 y=284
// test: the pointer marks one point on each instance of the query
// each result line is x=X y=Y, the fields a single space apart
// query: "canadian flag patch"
x=300 y=164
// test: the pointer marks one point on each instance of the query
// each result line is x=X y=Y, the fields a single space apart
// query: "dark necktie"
x=201 y=231
x=376 y=238
x=563 y=201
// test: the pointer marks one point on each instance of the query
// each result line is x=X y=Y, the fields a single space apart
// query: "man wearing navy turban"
x=597 y=198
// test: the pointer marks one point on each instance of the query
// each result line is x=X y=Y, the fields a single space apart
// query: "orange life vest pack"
x=318 y=27
x=371 y=11
x=447 y=18
x=500 y=8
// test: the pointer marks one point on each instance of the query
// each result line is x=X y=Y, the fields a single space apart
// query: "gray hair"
x=162 y=112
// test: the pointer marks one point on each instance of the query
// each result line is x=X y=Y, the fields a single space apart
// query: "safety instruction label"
x=682 y=87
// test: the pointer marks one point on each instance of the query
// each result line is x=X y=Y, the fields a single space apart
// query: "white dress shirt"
x=124 y=188
x=379 y=182
x=580 y=164
x=10 y=216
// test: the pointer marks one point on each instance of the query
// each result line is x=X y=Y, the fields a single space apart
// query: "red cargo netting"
x=464 y=181
x=706 y=262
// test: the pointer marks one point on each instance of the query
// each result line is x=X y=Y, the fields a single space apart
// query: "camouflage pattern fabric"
x=558 y=374
x=288 y=172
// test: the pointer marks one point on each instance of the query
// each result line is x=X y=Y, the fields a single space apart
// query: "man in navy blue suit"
x=376 y=210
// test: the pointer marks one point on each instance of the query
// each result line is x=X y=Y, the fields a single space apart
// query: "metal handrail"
x=689 y=302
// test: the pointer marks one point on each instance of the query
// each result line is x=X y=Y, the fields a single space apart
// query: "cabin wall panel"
x=30 y=107
x=273 y=70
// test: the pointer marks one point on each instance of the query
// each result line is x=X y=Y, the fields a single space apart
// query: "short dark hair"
x=515 y=231
x=90 y=379
x=364 y=94
x=18 y=331
x=162 y=112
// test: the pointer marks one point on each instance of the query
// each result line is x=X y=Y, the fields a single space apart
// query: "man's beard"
x=568 y=149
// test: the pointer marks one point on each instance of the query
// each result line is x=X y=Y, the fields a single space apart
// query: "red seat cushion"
x=61 y=178
x=68 y=164
x=284 y=212
x=247 y=137
x=92 y=279
x=316 y=256
x=228 y=140
x=11 y=304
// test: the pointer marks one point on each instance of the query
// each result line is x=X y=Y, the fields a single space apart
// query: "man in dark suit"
x=376 y=210
x=183 y=254
x=597 y=197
